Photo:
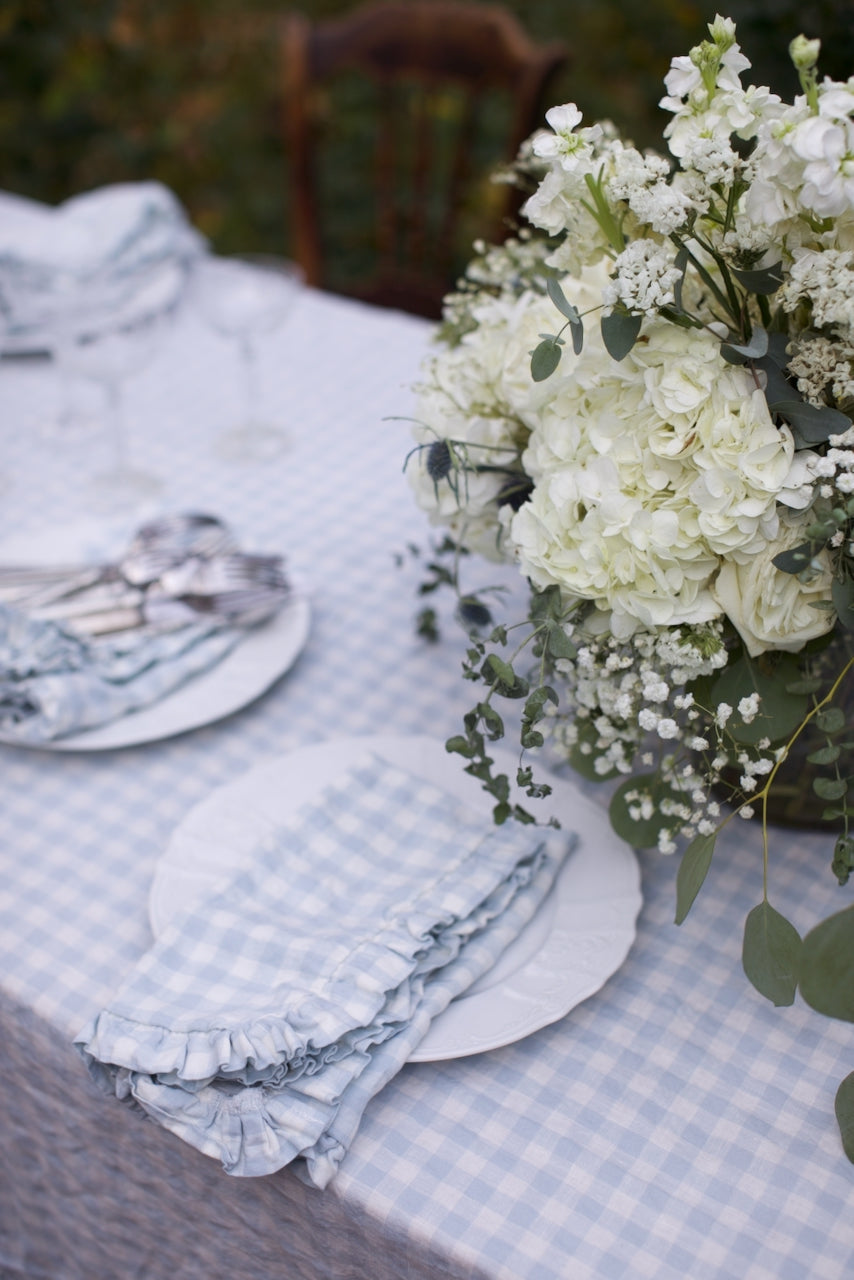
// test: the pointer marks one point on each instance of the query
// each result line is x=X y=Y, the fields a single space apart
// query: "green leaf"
x=693 y=869
x=681 y=262
x=811 y=423
x=825 y=755
x=545 y=358
x=831 y=720
x=766 y=280
x=830 y=788
x=795 y=559
x=755 y=349
x=559 y=644
x=771 y=954
x=780 y=712
x=638 y=831
x=777 y=385
x=842 y=595
x=546 y=604
x=620 y=330
x=458 y=745
x=559 y=298
x=809 y=684
x=565 y=307
x=584 y=762
x=827 y=966
x=844 y=1108
x=492 y=721
x=536 y=701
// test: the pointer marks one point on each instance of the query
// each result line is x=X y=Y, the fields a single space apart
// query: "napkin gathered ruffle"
x=53 y=683
x=266 y=1016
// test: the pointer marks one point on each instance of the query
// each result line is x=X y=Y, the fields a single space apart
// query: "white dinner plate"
x=244 y=674
x=578 y=938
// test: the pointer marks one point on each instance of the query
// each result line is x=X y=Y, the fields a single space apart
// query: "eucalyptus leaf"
x=495 y=669
x=545 y=358
x=780 y=712
x=546 y=604
x=755 y=349
x=771 y=954
x=680 y=261
x=809 y=684
x=766 y=280
x=844 y=1107
x=559 y=298
x=778 y=349
x=634 y=828
x=693 y=869
x=811 y=423
x=842 y=594
x=777 y=386
x=795 y=559
x=583 y=754
x=825 y=755
x=827 y=966
x=620 y=330
x=558 y=643
x=830 y=788
x=831 y=720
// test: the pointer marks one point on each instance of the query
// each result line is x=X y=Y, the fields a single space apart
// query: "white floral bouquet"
x=644 y=401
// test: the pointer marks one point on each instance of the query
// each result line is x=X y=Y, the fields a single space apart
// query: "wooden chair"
x=438 y=71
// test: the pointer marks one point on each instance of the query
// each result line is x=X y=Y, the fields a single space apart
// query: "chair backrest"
x=439 y=72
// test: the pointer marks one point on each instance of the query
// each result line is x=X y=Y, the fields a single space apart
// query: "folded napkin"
x=95 y=241
x=264 y=1019
x=53 y=683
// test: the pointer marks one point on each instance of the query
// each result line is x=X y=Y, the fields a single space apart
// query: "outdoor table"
x=674 y=1124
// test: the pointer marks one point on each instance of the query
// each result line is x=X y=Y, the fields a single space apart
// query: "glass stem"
x=249 y=363
x=116 y=411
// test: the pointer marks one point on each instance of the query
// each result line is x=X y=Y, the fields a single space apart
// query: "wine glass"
x=243 y=298
x=107 y=331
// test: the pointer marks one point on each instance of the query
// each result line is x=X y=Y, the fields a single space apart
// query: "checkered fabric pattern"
x=673 y=1125
x=268 y=1015
x=52 y=684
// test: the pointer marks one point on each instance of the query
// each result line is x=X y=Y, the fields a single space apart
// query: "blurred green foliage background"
x=96 y=91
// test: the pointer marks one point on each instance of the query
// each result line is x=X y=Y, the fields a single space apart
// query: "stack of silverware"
x=176 y=570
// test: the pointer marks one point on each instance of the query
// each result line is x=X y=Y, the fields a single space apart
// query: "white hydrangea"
x=651 y=471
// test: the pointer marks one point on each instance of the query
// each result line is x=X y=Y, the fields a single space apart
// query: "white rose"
x=770 y=609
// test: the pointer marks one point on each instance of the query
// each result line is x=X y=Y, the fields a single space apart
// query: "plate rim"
x=288 y=628
x=522 y=1012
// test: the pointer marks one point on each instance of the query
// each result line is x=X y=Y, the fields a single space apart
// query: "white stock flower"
x=565 y=147
x=645 y=278
x=826 y=278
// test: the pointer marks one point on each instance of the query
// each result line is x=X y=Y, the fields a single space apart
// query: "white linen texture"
x=265 y=1017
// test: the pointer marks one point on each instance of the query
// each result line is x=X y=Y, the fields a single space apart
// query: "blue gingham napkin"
x=264 y=1019
x=53 y=683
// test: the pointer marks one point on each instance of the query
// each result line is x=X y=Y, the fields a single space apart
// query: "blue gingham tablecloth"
x=673 y=1125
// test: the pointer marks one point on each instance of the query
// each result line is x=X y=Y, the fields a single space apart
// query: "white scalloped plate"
x=579 y=937
x=244 y=674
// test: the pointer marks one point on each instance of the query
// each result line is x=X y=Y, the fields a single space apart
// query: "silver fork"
x=155 y=547
x=154 y=612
